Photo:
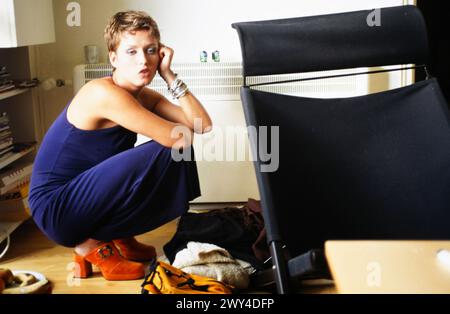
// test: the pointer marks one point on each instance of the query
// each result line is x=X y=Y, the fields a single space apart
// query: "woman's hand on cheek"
x=165 y=61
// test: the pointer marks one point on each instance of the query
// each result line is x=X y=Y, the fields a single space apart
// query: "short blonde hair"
x=128 y=21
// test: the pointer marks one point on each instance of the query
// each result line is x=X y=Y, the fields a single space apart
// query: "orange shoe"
x=112 y=265
x=135 y=251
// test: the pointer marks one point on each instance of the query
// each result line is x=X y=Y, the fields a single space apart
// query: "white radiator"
x=217 y=86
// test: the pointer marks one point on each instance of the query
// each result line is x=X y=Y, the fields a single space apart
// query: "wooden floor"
x=31 y=250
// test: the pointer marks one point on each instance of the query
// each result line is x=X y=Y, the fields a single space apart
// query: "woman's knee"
x=176 y=155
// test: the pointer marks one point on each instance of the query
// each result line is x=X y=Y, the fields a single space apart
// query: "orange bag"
x=166 y=279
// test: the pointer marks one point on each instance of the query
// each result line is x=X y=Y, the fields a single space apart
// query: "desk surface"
x=389 y=266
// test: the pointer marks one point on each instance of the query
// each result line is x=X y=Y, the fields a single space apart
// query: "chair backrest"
x=368 y=167
x=333 y=41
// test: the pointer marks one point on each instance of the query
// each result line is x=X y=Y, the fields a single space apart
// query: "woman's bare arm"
x=189 y=110
x=117 y=105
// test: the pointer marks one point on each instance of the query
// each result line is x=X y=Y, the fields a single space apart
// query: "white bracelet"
x=178 y=88
x=176 y=83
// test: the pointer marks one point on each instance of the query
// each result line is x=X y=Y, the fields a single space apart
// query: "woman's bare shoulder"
x=101 y=86
x=98 y=92
x=86 y=108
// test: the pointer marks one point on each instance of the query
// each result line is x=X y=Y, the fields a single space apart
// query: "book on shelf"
x=15 y=185
x=4 y=119
x=6 y=150
x=6 y=138
x=5 y=83
x=7 y=87
x=15 y=172
x=4 y=127
x=4 y=72
x=5 y=134
x=6 y=157
x=20 y=192
x=18 y=150
x=5 y=143
x=4 y=124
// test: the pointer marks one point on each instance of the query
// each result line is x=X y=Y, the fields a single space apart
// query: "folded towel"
x=212 y=261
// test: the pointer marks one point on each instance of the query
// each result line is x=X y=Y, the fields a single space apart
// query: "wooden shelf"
x=13 y=92
x=12 y=157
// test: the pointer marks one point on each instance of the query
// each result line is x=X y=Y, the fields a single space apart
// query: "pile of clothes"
x=227 y=244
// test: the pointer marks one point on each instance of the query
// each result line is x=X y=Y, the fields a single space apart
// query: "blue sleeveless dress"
x=96 y=184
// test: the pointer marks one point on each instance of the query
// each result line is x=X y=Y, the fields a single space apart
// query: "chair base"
x=310 y=265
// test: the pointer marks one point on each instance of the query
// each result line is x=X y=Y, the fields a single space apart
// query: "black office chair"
x=375 y=166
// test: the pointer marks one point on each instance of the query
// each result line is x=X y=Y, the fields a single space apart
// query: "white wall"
x=196 y=25
x=190 y=26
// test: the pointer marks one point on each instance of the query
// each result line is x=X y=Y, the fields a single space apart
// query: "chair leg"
x=279 y=268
